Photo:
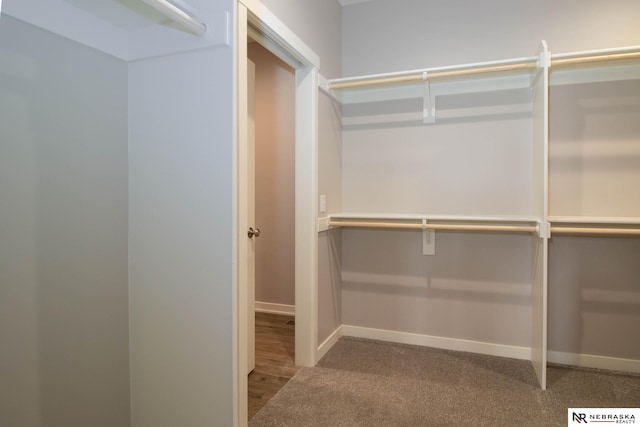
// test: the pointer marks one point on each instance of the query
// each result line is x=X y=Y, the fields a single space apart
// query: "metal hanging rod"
x=595 y=221
x=618 y=53
x=179 y=15
x=444 y=227
x=595 y=231
x=578 y=60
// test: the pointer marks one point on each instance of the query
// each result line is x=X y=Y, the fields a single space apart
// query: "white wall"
x=457 y=166
x=595 y=171
x=478 y=165
x=64 y=357
x=275 y=177
x=181 y=231
x=393 y=35
x=594 y=296
x=595 y=148
x=476 y=287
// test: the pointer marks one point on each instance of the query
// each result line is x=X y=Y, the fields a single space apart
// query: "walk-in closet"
x=463 y=175
x=493 y=207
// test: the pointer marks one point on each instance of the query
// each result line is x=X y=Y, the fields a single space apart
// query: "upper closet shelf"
x=596 y=66
x=608 y=226
x=427 y=83
x=467 y=78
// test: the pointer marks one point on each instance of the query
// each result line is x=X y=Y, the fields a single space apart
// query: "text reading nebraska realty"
x=581 y=416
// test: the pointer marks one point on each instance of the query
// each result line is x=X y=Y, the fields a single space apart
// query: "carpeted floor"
x=370 y=383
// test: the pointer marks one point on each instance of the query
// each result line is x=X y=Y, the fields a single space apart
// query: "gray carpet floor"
x=370 y=383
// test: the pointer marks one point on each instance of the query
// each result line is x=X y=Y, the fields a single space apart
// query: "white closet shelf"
x=429 y=83
x=503 y=67
x=507 y=224
x=608 y=226
x=524 y=65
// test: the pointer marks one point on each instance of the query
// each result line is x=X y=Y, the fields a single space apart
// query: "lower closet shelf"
x=433 y=222
x=595 y=226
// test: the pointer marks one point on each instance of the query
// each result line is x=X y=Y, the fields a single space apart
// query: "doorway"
x=271 y=33
x=272 y=129
x=274 y=167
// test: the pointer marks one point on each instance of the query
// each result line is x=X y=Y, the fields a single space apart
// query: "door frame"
x=253 y=17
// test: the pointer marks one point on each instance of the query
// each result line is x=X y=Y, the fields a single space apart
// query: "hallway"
x=275 y=346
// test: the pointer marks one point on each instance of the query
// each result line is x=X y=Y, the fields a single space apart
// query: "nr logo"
x=579 y=418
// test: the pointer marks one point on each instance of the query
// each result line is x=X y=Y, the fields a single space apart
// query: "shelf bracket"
x=543 y=230
x=428 y=102
x=428 y=240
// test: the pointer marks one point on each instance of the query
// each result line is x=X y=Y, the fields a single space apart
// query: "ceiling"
x=125 y=14
x=127 y=29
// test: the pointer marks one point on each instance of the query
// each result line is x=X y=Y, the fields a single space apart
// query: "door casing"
x=277 y=38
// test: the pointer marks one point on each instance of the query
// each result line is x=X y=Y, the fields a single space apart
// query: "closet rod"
x=178 y=15
x=594 y=58
x=596 y=231
x=431 y=75
x=450 y=227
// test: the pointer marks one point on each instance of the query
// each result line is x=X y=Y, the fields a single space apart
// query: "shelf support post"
x=428 y=102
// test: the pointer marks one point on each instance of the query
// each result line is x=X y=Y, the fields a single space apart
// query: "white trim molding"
x=269 y=307
x=514 y=352
x=344 y=3
x=328 y=343
x=593 y=361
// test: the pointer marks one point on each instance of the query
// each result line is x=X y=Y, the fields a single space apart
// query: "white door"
x=252 y=232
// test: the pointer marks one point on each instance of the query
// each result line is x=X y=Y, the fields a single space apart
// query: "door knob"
x=253 y=232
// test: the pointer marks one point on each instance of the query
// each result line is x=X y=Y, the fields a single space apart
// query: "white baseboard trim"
x=593 y=361
x=268 y=307
x=501 y=350
x=328 y=343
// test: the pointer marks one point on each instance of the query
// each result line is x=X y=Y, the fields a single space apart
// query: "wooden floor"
x=275 y=365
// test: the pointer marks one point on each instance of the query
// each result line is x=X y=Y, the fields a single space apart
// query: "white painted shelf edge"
x=434 y=217
x=427 y=222
x=523 y=65
x=515 y=65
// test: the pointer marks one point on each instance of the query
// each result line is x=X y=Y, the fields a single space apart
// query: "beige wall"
x=329 y=242
x=318 y=24
x=64 y=324
x=275 y=178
